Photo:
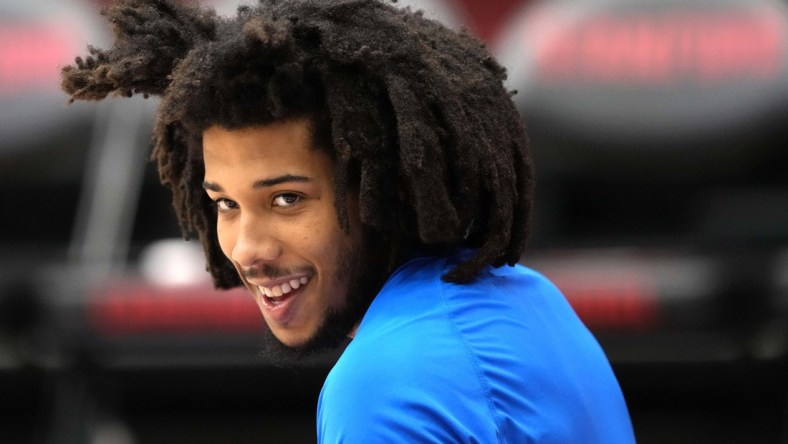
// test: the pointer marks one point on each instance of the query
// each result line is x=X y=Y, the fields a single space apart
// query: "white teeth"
x=283 y=289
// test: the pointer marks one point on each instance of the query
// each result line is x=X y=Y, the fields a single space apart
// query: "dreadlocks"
x=414 y=115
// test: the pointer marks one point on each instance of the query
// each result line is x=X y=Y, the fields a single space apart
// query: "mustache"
x=273 y=272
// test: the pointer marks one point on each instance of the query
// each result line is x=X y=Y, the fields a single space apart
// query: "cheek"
x=327 y=243
x=226 y=238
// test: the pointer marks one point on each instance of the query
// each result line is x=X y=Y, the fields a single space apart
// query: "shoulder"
x=502 y=358
x=406 y=377
x=404 y=394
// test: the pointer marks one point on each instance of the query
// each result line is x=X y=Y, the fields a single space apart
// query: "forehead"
x=281 y=147
x=256 y=141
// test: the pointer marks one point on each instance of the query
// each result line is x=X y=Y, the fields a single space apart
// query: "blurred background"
x=659 y=133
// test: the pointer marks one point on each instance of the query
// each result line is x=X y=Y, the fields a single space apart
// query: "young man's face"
x=277 y=223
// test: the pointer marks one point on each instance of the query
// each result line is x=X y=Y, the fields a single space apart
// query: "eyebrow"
x=285 y=178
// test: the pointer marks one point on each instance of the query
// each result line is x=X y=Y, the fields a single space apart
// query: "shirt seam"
x=480 y=377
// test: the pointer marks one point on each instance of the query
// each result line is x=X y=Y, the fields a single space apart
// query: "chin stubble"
x=365 y=275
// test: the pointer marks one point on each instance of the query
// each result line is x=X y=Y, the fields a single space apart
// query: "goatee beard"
x=366 y=273
x=323 y=345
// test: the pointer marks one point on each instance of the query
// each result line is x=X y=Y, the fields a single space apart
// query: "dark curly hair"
x=414 y=115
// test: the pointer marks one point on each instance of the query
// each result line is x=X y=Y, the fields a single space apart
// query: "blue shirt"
x=501 y=360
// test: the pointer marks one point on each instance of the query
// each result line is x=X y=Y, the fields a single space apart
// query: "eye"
x=223 y=205
x=286 y=200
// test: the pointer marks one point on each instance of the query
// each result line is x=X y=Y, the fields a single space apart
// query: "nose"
x=255 y=243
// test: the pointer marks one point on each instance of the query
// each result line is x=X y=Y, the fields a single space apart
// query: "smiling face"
x=277 y=223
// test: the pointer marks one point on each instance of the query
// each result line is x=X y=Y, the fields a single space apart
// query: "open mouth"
x=278 y=294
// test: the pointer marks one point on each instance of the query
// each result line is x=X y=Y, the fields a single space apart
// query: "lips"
x=276 y=297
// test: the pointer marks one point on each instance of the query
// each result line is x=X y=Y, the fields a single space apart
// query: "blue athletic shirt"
x=501 y=360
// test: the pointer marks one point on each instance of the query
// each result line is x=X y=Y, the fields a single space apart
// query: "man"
x=363 y=172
